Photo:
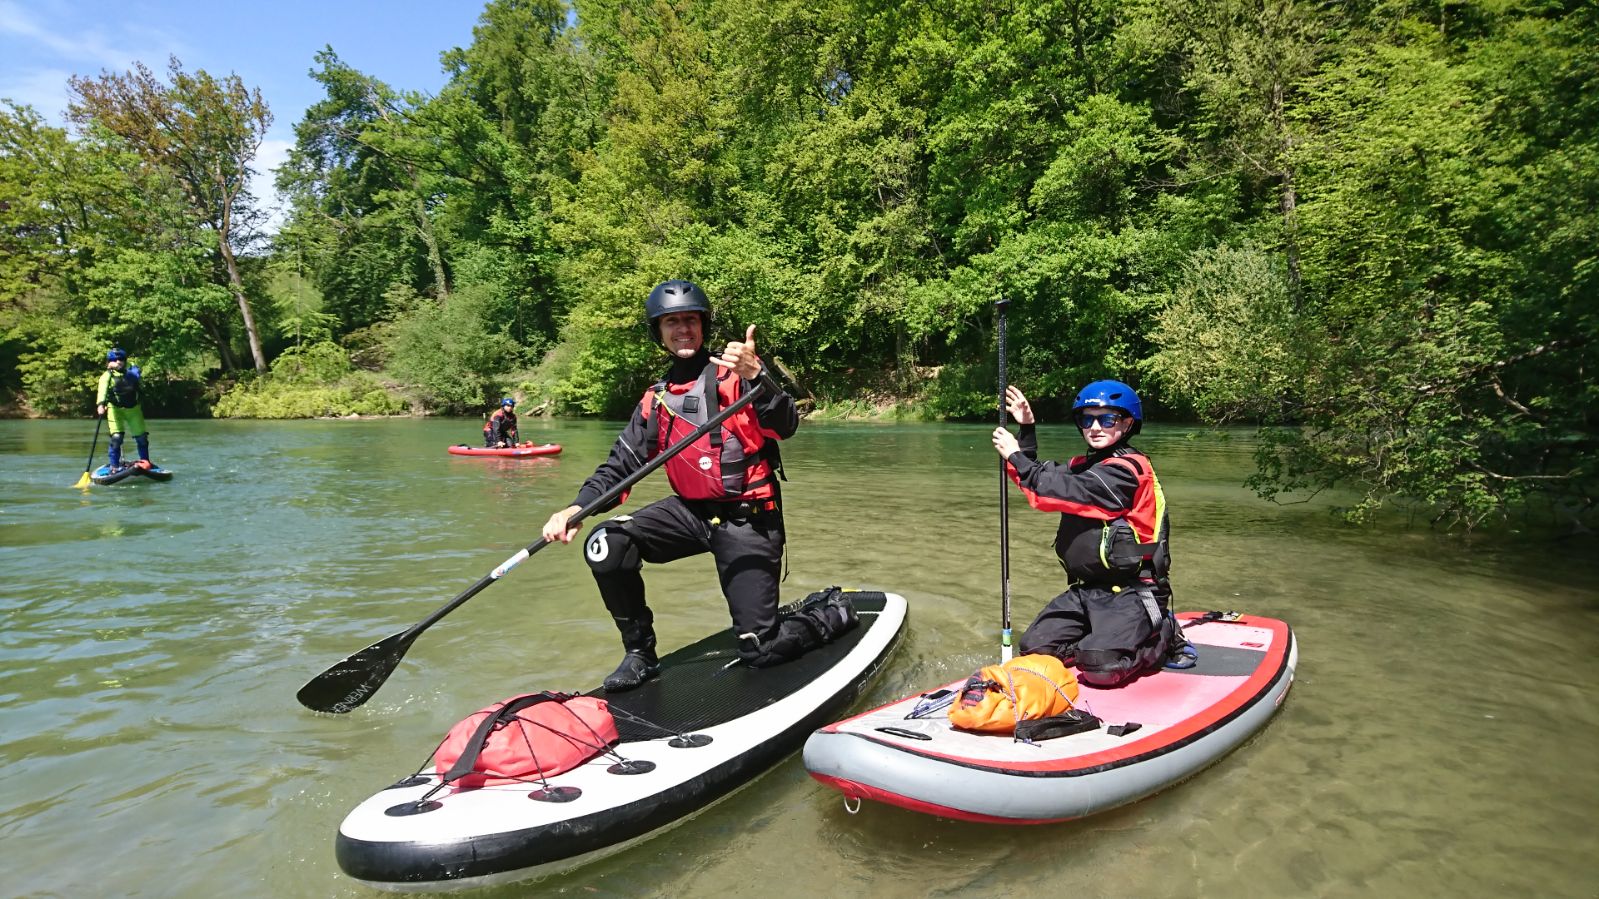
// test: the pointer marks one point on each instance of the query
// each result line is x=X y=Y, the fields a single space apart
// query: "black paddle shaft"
x=1004 y=495
x=352 y=681
x=95 y=443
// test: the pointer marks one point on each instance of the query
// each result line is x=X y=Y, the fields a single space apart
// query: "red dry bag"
x=525 y=738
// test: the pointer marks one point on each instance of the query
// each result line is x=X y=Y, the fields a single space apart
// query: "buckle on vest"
x=734 y=511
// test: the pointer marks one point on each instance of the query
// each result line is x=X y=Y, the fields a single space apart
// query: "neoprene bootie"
x=636 y=668
x=640 y=664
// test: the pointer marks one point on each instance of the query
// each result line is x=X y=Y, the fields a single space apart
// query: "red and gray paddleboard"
x=1155 y=731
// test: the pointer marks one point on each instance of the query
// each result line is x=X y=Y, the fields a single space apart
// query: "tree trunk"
x=1291 y=243
x=236 y=284
x=1289 y=200
x=424 y=227
x=1079 y=50
x=223 y=344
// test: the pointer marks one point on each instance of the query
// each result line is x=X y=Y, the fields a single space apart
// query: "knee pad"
x=610 y=548
x=820 y=618
x=1105 y=667
x=116 y=438
x=788 y=640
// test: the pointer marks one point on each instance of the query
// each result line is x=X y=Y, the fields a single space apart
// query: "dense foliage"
x=1368 y=227
x=312 y=380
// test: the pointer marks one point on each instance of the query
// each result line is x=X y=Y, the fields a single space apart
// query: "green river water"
x=1440 y=739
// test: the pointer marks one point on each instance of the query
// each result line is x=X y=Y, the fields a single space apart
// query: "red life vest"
x=728 y=464
x=501 y=419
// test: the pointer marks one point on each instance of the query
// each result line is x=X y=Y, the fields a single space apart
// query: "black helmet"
x=676 y=296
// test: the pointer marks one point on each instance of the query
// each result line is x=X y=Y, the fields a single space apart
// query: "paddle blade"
x=353 y=681
x=83 y=480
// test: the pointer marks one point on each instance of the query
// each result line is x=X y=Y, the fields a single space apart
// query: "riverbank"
x=378 y=397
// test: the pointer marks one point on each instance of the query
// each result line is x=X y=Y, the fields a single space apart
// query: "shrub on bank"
x=311 y=381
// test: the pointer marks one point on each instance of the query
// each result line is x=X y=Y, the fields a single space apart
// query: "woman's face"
x=1092 y=420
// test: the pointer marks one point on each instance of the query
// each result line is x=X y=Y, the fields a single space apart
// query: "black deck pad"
x=697 y=688
x=1224 y=661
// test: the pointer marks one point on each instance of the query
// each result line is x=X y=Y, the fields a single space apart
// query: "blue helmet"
x=507 y=401
x=116 y=354
x=1111 y=394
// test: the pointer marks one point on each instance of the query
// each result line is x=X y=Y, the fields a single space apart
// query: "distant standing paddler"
x=118 y=400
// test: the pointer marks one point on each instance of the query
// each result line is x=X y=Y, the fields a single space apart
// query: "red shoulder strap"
x=649 y=398
x=1121 y=462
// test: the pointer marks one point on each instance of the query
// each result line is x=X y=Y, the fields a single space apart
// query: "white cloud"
x=90 y=46
x=42 y=45
x=43 y=89
x=272 y=154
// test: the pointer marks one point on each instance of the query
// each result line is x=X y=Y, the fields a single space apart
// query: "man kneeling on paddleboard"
x=727 y=501
x=1113 y=621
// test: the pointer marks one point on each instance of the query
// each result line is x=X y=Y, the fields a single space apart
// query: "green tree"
x=359 y=199
x=99 y=250
x=1450 y=243
x=1245 y=62
x=204 y=133
x=1231 y=342
x=448 y=354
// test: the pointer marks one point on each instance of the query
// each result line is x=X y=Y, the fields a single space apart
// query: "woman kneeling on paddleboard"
x=726 y=501
x=500 y=429
x=1113 y=622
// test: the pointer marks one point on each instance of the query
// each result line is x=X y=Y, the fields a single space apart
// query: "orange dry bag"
x=1027 y=687
x=525 y=738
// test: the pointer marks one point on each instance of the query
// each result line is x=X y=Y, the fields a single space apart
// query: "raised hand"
x=1016 y=404
x=740 y=357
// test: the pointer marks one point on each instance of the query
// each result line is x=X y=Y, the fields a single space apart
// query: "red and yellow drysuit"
x=1113 y=542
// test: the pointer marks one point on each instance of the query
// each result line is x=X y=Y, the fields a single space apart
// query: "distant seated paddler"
x=500 y=429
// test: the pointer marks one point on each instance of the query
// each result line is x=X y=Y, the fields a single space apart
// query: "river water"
x=1439 y=741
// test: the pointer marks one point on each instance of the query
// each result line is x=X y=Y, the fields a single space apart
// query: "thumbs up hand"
x=740 y=357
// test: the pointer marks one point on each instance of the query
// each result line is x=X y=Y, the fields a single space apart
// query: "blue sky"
x=270 y=45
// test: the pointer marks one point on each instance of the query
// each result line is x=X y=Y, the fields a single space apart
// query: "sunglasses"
x=1104 y=419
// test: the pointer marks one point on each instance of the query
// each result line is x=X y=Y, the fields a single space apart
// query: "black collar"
x=684 y=370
